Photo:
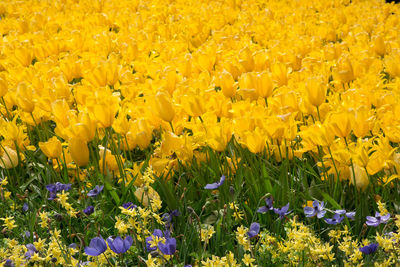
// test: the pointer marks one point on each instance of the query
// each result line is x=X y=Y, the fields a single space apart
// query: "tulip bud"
x=360 y=177
x=24 y=99
x=3 y=86
x=227 y=84
x=79 y=151
x=316 y=91
x=264 y=85
x=52 y=148
x=9 y=159
x=164 y=107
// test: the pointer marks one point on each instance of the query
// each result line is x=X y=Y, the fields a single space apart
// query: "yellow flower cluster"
x=202 y=72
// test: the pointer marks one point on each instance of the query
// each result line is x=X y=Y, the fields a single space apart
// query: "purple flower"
x=96 y=247
x=129 y=205
x=158 y=233
x=336 y=219
x=215 y=185
x=254 y=230
x=378 y=219
x=31 y=250
x=8 y=263
x=282 y=212
x=54 y=188
x=25 y=207
x=167 y=217
x=349 y=214
x=95 y=191
x=119 y=245
x=317 y=209
x=371 y=248
x=268 y=205
x=169 y=247
x=89 y=210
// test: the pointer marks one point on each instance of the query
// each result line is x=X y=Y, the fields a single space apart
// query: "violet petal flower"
x=158 y=233
x=369 y=249
x=378 y=219
x=254 y=230
x=95 y=191
x=96 y=247
x=169 y=247
x=129 y=205
x=351 y=215
x=268 y=205
x=119 y=245
x=282 y=212
x=25 y=207
x=336 y=219
x=215 y=185
x=89 y=210
x=317 y=209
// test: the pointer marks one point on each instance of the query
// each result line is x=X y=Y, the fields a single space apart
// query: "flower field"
x=199 y=133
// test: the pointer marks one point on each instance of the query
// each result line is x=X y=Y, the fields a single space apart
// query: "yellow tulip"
x=164 y=107
x=145 y=194
x=359 y=177
x=52 y=148
x=227 y=84
x=264 y=84
x=24 y=99
x=9 y=158
x=3 y=86
x=341 y=123
x=316 y=91
x=79 y=151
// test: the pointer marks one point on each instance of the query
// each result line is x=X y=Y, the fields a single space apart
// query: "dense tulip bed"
x=199 y=133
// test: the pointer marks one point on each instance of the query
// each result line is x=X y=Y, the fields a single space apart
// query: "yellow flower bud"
x=79 y=151
x=227 y=83
x=9 y=158
x=316 y=91
x=164 y=106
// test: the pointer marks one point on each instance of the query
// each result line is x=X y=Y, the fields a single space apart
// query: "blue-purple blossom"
x=31 y=250
x=350 y=214
x=95 y=191
x=119 y=245
x=317 y=209
x=378 y=219
x=254 y=230
x=54 y=188
x=215 y=185
x=268 y=205
x=336 y=219
x=25 y=207
x=169 y=247
x=89 y=210
x=96 y=247
x=282 y=212
x=371 y=248
x=129 y=205
x=158 y=233
x=167 y=217
x=8 y=263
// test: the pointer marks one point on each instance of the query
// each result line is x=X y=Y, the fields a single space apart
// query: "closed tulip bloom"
x=360 y=177
x=316 y=91
x=9 y=158
x=264 y=84
x=24 y=99
x=52 y=148
x=79 y=151
x=164 y=106
x=3 y=86
x=340 y=124
x=227 y=83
